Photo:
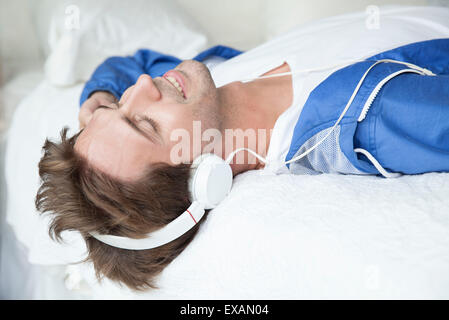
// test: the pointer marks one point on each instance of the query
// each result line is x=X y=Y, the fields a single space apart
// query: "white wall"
x=247 y=23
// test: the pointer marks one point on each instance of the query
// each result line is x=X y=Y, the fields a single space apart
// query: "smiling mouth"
x=175 y=80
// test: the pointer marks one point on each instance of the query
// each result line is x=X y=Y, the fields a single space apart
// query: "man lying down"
x=146 y=117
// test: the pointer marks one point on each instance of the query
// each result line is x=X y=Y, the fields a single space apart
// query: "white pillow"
x=82 y=34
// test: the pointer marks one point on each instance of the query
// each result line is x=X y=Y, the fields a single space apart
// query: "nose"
x=145 y=86
x=143 y=93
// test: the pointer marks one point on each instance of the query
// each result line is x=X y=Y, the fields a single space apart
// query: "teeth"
x=175 y=83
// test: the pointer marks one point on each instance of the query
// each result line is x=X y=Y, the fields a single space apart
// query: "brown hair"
x=83 y=199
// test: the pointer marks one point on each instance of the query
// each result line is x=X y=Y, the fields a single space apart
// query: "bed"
x=275 y=236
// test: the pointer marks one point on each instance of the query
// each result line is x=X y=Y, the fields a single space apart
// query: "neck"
x=249 y=112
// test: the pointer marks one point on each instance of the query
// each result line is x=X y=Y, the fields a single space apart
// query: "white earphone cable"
x=348 y=104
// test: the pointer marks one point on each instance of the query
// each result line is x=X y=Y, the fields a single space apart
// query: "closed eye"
x=112 y=106
x=104 y=107
x=150 y=122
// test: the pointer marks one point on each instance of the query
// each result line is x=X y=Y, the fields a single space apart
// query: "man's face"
x=123 y=140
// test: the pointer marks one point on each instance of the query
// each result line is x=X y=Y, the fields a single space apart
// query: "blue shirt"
x=399 y=117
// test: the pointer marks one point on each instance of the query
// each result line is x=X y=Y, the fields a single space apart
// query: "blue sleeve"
x=116 y=74
x=430 y=54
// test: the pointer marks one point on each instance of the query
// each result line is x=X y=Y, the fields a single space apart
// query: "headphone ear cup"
x=211 y=180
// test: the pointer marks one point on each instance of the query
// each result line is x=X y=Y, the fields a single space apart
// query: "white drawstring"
x=376 y=163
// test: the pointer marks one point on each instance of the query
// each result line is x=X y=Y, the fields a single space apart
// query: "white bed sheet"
x=274 y=237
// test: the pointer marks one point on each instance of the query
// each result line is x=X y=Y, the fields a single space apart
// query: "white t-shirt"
x=328 y=42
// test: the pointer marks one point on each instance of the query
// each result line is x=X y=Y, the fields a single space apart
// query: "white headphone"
x=212 y=177
x=209 y=184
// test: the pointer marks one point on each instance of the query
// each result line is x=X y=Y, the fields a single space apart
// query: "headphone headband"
x=170 y=232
